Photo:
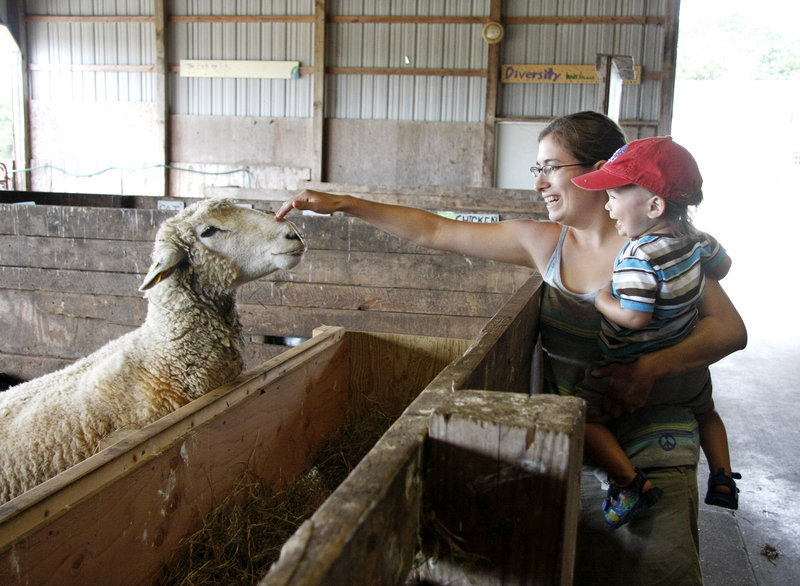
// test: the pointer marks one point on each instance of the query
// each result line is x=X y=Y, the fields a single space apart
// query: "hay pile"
x=243 y=535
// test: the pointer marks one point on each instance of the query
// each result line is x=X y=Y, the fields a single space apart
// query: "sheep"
x=189 y=344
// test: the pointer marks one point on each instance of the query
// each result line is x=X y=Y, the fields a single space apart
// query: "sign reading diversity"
x=555 y=74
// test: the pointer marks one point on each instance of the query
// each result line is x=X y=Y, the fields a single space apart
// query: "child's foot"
x=622 y=504
x=722 y=491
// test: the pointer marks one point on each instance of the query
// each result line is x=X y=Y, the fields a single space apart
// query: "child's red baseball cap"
x=658 y=164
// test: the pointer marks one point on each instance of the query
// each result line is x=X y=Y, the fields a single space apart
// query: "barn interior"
x=125 y=111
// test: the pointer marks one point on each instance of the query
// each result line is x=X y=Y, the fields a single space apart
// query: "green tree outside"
x=732 y=45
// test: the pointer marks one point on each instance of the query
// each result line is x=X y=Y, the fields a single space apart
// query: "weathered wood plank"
x=318 y=266
x=81 y=222
x=115 y=309
x=368 y=299
x=446 y=197
x=29 y=366
x=72 y=281
x=76 y=254
x=453 y=272
x=81 y=268
x=41 y=327
x=290 y=321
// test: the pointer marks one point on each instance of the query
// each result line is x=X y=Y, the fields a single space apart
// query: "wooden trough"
x=475 y=483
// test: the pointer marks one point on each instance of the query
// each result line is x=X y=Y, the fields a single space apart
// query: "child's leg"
x=602 y=447
x=714 y=441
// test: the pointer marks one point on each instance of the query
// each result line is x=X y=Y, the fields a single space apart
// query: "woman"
x=575 y=253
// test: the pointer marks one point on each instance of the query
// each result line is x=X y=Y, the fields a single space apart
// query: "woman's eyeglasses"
x=548 y=170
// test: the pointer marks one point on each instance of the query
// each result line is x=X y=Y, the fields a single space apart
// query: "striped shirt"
x=663 y=275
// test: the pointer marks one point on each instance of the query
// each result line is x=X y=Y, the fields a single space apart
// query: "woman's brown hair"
x=588 y=136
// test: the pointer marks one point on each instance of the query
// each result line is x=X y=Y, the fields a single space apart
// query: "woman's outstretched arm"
x=521 y=242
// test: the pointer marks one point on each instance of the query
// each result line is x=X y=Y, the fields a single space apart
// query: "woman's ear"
x=657 y=207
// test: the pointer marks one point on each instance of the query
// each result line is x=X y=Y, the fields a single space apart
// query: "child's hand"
x=603 y=296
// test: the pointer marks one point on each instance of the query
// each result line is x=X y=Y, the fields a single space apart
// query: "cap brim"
x=599 y=180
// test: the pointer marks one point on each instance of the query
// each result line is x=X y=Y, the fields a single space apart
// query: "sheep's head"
x=233 y=244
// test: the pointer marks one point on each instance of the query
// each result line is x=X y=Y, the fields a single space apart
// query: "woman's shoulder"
x=540 y=238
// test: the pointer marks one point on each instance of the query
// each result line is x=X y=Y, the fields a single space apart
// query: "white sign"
x=241 y=69
x=471 y=217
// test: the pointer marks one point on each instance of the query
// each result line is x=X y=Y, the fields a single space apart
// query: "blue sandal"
x=723 y=499
x=623 y=504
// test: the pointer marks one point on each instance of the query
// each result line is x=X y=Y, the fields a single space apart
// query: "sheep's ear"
x=162 y=268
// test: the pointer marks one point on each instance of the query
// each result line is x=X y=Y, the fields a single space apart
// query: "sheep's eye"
x=210 y=231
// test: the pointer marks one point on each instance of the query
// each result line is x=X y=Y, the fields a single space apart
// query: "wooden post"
x=669 y=66
x=318 y=124
x=490 y=113
x=162 y=85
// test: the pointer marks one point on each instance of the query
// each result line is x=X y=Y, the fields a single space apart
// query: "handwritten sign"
x=555 y=74
x=241 y=69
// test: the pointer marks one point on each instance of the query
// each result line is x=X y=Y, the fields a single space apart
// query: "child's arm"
x=720 y=269
x=610 y=307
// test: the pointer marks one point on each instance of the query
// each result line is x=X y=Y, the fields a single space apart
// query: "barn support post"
x=490 y=113
x=318 y=124
x=161 y=88
x=669 y=66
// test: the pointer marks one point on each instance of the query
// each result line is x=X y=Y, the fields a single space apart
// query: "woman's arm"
x=719 y=332
x=521 y=242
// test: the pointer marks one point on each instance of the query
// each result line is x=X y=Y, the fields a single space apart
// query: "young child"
x=658 y=281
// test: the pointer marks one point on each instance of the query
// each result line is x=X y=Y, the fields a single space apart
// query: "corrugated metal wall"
x=62 y=53
x=395 y=45
x=292 y=41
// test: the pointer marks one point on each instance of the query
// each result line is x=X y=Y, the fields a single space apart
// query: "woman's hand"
x=315 y=201
x=629 y=386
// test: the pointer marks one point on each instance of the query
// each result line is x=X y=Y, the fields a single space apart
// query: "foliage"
x=734 y=46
